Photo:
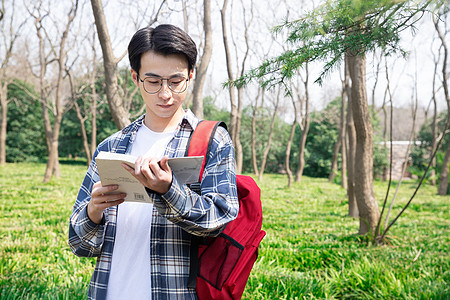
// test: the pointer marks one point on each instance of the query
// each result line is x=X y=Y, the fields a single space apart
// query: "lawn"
x=310 y=251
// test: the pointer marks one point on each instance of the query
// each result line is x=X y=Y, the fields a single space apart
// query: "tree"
x=351 y=148
x=57 y=106
x=120 y=115
x=443 y=184
x=332 y=31
x=304 y=125
x=9 y=32
x=114 y=93
x=197 y=104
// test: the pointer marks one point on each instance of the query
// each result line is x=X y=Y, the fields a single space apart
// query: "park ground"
x=311 y=250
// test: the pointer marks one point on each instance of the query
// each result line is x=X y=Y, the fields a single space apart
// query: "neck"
x=160 y=124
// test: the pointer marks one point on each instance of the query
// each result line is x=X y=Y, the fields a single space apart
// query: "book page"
x=109 y=165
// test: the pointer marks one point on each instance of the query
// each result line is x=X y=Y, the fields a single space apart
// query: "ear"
x=134 y=76
x=191 y=75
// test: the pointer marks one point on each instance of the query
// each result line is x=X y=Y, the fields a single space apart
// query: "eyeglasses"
x=153 y=84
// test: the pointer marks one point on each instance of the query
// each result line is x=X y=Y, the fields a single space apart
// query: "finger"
x=138 y=165
x=112 y=197
x=97 y=185
x=104 y=205
x=155 y=167
x=101 y=190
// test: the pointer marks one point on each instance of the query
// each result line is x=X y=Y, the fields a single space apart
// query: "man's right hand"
x=101 y=199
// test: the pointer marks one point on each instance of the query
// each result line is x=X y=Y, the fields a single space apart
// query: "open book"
x=109 y=165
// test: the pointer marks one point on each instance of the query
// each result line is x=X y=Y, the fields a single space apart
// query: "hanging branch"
x=388 y=90
x=380 y=239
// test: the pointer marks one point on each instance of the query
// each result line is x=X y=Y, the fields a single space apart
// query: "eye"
x=177 y=81
x=153 y=81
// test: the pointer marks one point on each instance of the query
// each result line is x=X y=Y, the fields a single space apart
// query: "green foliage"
x=25 y=128
x=322 y=135
x=335 y=28
x=310 y=250
x=212 y=112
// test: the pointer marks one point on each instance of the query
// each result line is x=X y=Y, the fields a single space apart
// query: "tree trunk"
x=351 y=134
x=269 y=140
x=344 y=159
x=94 y=121
x=434 y=129
x=443 y=184
x=3 y=121
x=120 y=115
x=255 y=110
x=289 y=145
x=197 y=105
x=237 y=135
x=304 y=133
x=338 y=145
x=367 y=205
x=234 y=110
x=84 y=136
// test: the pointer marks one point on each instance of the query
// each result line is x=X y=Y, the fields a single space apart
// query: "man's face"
x=165 y=104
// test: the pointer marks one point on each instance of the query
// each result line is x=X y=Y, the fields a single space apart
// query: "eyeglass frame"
x=162 y=81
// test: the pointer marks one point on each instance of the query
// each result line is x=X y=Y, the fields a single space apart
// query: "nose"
x=165 y=92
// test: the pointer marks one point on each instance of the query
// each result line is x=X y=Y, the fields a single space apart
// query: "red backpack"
x=220 y=266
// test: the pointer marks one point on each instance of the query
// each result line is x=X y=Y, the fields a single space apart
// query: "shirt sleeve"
x=208 y=214
x=85 y=236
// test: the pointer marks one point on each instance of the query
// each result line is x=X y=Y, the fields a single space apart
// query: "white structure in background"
x=399 y=149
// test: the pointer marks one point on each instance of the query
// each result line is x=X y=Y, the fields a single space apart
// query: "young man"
x=142 y=249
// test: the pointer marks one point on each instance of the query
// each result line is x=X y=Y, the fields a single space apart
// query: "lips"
x=165 y=105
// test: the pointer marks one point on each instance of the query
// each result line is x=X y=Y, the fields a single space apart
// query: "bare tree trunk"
x=9 y=33
x=197 y=105
x=120 y=115
x=237 y=135
x=84 y=137
x=289 y=145
x=339 y=143
x=52 y=131
x=3 y=120
x=443 y=184
x=53 y=155
x=255 y=110
x=269 y=141
x=351 y=149
x=234 y=110
x=434 y=129
x=367 y=205
x=305 y=129
x=385 y=130
x=94 y=118
x=344 y=182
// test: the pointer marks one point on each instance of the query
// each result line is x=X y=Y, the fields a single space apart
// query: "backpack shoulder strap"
x=200 y=141
x=199 y=144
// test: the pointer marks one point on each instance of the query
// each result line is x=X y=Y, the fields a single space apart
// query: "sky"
x=123 y=19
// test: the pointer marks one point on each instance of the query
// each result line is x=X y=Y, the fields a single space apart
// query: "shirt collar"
x=189 y=120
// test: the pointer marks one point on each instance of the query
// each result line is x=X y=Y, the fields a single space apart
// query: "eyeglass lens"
x=153 y=84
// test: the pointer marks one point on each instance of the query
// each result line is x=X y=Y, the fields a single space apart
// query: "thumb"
x=164 y=163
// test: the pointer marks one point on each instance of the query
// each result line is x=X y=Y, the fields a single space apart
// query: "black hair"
x=164 y=39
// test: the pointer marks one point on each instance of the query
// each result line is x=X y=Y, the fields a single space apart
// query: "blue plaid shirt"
x=177 y=215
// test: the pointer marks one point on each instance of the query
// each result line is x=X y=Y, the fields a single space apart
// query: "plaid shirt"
x=177 y=215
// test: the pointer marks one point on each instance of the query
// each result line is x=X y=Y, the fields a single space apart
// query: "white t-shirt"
x=130 y=267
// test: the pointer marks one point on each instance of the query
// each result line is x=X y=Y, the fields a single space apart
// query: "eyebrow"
x=171 y=76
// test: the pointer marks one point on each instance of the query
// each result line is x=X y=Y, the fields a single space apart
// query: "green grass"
x=310 y=251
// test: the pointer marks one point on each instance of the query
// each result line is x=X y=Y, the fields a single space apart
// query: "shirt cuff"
x=176 y=198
